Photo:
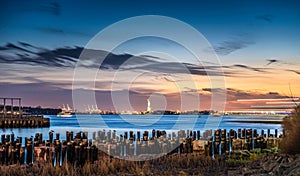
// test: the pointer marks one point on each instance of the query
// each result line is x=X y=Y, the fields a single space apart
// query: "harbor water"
x=169 y=123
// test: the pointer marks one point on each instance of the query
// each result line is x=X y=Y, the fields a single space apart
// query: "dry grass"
x=291 y=141
x=175 y=164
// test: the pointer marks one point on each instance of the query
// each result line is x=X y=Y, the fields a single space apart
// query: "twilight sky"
x=257 y=43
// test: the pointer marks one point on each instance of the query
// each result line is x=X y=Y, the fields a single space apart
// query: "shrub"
x=290 y=143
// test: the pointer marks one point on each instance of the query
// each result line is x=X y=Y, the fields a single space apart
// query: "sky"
x=257 y=44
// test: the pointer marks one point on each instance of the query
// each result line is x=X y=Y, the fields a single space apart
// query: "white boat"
x=66 y=112
x=215 y=114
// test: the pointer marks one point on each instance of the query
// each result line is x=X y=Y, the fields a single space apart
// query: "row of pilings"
x=24 y=122
x=77 y=149
x=211 y=143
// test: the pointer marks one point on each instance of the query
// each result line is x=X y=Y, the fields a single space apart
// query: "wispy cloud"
x=25 y=53
x=28 y=54
x=53 y=8
x=266 y=17
x=250 y=68
x=294 y=71
x=234 y=44
x=60 y=31
x=271 y=61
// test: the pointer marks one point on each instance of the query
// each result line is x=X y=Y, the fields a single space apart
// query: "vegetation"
x=175 y=164
x=290 y=143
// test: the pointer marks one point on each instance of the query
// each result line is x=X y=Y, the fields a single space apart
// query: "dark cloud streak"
x=229 y=46
x=267 y=18
x=25 y=53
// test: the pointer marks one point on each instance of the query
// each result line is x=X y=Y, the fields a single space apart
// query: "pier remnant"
x=14 y=117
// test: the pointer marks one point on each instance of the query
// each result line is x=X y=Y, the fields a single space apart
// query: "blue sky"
x=247 y=33
x=58 y=23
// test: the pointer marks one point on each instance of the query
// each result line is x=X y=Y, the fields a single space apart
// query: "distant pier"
x=13 y=117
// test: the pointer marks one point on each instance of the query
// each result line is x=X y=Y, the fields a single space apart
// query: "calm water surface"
x=123 y=123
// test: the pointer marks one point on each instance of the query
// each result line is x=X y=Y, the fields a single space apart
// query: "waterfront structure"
x=148 y=106
x=6 y=105
x=14 y=117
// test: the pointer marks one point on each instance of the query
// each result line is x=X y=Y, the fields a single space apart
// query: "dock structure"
x=12 y=116
x=11 y=113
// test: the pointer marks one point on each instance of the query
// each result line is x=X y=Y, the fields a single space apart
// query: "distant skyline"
x=257 y=43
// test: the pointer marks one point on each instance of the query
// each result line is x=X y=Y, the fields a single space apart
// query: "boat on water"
x=66 y=112
x=216 y=114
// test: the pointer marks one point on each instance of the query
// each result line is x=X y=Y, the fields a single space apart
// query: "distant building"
x=149 y=106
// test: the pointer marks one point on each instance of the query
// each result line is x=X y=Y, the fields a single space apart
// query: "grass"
x=291 y=125
x=172 y=164
x=242 y=161
x=175 y=164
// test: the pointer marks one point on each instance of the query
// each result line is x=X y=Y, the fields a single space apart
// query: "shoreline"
x=256 y=121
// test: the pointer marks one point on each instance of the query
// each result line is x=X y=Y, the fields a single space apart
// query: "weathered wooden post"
x=125 y=135
x=210 y=146
x=153 y=133
x=70 y=153
x=223 y=141
x=239 y=133
x=12 y=138
x=114 y=134
x=217 y=142
x=29 y=152
x=68 y=136
x=85 y=135
x=77 y=154
x=6 y=146
x=255 y=133
x=57 y=151
x=158 y=133
x=64 y=151
x=198 y=134
x=3 y=138
x=2 y=155
x=145 y=136
x=22 y=155
x=139 y=135
x=94 y=135
x=262 y=133
x=244 y=133
x=57 y=136
x=7 y=138
x=194 y=135
x=71 y=135
x=18 y=152
x=78 y=135
x=131 y=135
x=95 y=153
x=50 y=136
